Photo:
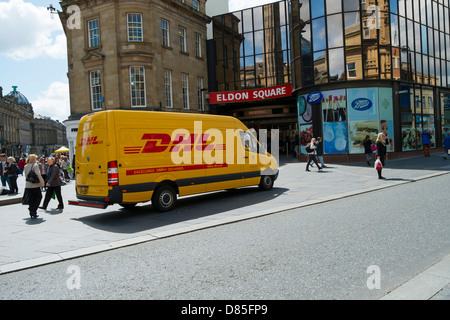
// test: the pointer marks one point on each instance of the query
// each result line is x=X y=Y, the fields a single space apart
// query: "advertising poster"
x=409 y=139
x=335 y=137
x=358 y=130
x=387 y=116
x=334 y=106
x=334 y=112
x=305 y=122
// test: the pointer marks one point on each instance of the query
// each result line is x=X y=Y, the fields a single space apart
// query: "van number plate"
x=83 y=190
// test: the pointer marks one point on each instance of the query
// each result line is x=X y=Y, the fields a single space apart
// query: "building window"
x=165 y=33
x=198 y=45
x=94 y=40
x=200 y=93
x=185 y=88
x=96 y=90
x=134 y=26
x=195 y=4
x=182 y=37
x=168 y=88
x=137 y=86
x=351 y=70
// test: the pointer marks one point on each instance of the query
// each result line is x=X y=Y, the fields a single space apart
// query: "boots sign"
x=250 y=95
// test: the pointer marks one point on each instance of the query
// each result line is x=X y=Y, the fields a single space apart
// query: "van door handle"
x=91 y=172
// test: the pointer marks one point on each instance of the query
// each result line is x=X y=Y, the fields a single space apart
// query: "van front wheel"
x=266 y=183
x=164 y=198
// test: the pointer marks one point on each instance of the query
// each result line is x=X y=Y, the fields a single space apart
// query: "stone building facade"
x=23 y=132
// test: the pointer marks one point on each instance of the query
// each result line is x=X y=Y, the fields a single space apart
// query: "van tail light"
x=113 y=174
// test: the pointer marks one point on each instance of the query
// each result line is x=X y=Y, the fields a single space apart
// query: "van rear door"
x=92 y=156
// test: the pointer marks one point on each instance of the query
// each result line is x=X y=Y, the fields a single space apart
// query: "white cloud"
x=28 y=32
x=54 y=102
x=235 y=5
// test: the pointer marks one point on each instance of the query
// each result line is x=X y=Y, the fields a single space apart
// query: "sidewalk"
x=77 y=231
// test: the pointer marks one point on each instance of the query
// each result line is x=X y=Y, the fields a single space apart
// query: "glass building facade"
x=357 y=67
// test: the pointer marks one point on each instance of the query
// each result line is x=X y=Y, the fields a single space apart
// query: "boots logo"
x=362 y=104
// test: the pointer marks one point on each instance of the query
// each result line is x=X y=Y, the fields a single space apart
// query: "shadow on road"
x=143 y=217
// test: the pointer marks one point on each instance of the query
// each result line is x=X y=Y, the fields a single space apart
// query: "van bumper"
x=91 y=204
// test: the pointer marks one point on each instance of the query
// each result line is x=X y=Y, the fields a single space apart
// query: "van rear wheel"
x=266 y=183
x=164 y=198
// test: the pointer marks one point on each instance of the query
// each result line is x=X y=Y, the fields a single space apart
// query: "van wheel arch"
x=266 y=182
x=165 y=196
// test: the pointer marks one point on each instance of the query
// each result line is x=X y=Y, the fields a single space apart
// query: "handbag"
x=69 y=168
x=32 y=176
x=373 y=147
x=26 y=197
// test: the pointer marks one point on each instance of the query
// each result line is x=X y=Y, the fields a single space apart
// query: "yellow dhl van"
x=128 y=157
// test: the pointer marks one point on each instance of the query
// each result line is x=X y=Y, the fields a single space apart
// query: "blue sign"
x=314 y=97
x=362 y=104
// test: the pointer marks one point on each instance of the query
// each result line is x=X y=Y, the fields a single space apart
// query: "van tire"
x=164 y=198
x=266 y=183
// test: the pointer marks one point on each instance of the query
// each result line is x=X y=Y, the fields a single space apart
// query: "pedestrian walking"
x=4 y=175
x=447 y=145
x=43 y=168
x=368 y=143
x=311 y=148
x=426 y=142
x=12 y=171
x=381 y=147
x=379 y=167
x=319 y=150
x=33 y=190
x=64 y=166
x=53 y=184
x=21 y=164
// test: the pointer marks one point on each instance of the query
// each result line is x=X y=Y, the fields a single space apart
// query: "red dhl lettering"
x=160 y=142
x=89 y=141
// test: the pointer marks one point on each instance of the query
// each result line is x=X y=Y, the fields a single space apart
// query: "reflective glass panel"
x=247 y=20
x=352 y=29
x=336 y=62
x=385 y=62
x=335 y=37
x=318 y=9
x=407 y=118
x=318 y=31
x=320 y=67
x=352 y=5
x=424 y=40
x=370 y=62
x=333 y=6
x=354 y=63
x=258 y=18
x=304 y=10
x=394 y=31
x=393 y=6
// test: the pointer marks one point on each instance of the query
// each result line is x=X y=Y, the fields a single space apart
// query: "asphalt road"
x=323 y=251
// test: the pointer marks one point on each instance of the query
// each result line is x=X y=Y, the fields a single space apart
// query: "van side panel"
x=145 y=155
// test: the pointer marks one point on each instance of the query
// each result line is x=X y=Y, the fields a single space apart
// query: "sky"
x=33 y=53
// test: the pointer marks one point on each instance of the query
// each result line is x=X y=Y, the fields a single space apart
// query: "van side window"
x=249 y=142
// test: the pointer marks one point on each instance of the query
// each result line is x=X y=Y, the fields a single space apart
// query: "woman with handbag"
x=32 y=188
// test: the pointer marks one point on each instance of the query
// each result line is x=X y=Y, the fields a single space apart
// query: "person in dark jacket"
x=34 y=189
x=426 y=142
x=12 y=172
x=447 y=145
x=53 y=184
x=367 y=143
x=381 y=147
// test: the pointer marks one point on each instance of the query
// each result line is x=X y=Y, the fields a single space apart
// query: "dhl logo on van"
x=160 y=142
x=89 y=141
